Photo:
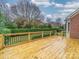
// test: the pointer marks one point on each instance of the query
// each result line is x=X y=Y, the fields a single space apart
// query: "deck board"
x=45 y=48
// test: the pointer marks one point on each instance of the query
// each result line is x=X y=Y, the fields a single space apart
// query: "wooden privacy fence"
x=16 y=38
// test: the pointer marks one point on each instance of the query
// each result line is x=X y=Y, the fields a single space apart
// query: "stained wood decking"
x=46 y=48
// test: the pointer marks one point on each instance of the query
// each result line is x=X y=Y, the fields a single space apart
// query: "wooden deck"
x=46 y=48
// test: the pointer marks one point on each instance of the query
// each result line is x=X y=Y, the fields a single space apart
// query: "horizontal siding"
x=74 y=27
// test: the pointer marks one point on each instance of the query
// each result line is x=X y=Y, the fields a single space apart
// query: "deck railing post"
x=50 y=33
x=1 y=41
x=55 y=32
x=29 y=36
x=42 y=34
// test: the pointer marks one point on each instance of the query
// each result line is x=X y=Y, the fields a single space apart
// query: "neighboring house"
x=37 y=22
x=55 y=24
x=72 y=25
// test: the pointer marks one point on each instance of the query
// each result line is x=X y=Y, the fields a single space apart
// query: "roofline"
x=73 y=13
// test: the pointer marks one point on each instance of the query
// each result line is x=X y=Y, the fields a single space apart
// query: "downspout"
x=67 y=28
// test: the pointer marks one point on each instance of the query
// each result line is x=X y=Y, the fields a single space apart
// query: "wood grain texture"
x=45 y=48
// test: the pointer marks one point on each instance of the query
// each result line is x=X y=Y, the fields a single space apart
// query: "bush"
x=35 y=30
x=21 y=30
x=4 y=30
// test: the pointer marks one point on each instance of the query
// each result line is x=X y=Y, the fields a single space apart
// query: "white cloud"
x=57 y=4
x=60 y=15
x=46 y=3
x=49 y=16
x=43 y=13
x=67 y=5
x=66 y=9
x=41 y=2
x=55 y=16
x=72 y=5
x=7 y=4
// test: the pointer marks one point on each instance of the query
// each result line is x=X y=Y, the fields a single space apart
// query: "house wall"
x=74 y=27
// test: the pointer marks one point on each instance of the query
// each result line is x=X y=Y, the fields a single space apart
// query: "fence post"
x=55 y=32
x=42 y=34
x=50 y=33
x=29 y=36
x=1 y=41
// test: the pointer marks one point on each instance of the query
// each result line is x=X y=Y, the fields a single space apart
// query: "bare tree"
x=2 y=3
x=28 y=11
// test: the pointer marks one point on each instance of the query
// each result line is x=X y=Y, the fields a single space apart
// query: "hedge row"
x=34 y=30
x=5 y=30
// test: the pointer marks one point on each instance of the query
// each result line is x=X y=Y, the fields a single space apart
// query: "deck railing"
x=1 y=41
x=17 y=38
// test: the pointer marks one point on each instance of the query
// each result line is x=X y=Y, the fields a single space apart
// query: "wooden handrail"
x=25 y=33
x=13 y=38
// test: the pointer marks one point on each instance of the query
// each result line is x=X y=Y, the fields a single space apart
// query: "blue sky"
x=55 y=8
x=11 y=1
